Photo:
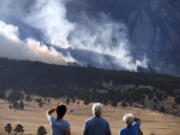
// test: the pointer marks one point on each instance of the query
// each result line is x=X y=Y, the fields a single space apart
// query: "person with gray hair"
x=97 y=125
x=133 y=125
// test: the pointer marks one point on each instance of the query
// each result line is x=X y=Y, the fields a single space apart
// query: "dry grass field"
x=33 y=116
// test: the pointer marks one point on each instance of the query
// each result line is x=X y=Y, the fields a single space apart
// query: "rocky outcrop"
x=155 y=34
x=154 y=28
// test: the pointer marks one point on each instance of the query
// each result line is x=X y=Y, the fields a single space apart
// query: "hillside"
x=32 y=117
x=153 y=27
x=157 y=92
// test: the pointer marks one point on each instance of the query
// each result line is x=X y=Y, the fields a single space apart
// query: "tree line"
x=85 y=83
x=19 y=130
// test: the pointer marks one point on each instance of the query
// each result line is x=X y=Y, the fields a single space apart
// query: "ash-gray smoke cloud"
x=11 y=46
x=153 y=28
x=28 y=28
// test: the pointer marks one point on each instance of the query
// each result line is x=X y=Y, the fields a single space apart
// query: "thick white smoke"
x=105 y=37
x=100 y=35
x=12 y=47
x=50 y=17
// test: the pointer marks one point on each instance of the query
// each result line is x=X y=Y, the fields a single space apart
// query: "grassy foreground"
x=33 y=116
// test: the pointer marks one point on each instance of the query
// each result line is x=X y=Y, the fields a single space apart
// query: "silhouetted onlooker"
x=97 y=125
x=133 y=125
x=58 y=125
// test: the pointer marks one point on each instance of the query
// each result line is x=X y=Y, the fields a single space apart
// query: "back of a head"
x=128 y=118
x=61 y=110
x=97 y=109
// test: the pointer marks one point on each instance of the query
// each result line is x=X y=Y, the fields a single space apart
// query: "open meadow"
x=33 y=116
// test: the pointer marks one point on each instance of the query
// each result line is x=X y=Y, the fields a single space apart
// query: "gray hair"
x=97 y=109
x=128 y=118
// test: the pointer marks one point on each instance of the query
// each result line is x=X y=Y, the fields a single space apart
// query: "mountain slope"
x=90 y=84
x=154 y=28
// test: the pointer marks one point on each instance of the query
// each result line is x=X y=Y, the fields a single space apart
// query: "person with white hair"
x=133 y=125
x=97 y=125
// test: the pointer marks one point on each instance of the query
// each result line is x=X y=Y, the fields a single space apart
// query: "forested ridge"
x=88 y=83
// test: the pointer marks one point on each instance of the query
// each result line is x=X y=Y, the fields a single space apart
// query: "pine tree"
x=40 y=102
x=19 y=129
x=10 y=106
x=177 y=100
x=8 y=128
x=15 y=105
x=124 y=104
x=41 y=131
x=21 y=105
x=67 y=101
x=28 y=98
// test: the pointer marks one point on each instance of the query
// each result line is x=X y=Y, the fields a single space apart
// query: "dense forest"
x=89 y=84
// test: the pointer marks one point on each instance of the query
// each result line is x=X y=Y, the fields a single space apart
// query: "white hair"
x=97 y=109
x=128 y=118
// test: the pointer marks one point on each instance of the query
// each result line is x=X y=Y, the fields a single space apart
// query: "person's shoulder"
x=137 y=124
x=104 y=120
x=90 y=120
x=65 y=122
x=123 y=131
x=51 y=118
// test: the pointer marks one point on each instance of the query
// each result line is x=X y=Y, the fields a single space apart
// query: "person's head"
x=61 y=110
x=97 y=109
x=128 y=118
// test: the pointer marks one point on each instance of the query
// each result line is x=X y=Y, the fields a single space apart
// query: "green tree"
x=15 y=105
x=8 y=128
x=114 y=103
x=28 y=98
x=15 y=96
x=21 y=105
x=86 y=101
x=78 y=102
x=49 y=101
x=10 y=106
x=41 y=131
x=73 y=100
x=40 y=102
x=2 y=94
x=162 y=109
x=124 y=104
x=67 y=101
x=177 y=100
x=19 y=129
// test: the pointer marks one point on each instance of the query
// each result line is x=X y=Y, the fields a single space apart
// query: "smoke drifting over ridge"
x=99 y=40
x=14 y=48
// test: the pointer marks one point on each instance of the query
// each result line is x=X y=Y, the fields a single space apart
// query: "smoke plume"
x=13 y=47
x=30 y=27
